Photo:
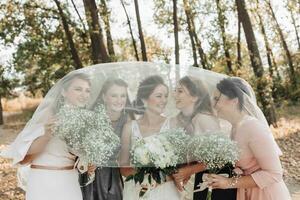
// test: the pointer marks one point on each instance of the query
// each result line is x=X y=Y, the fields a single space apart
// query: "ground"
x=287 y=135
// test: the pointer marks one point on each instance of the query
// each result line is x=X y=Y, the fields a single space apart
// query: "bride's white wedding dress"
x=46 y=184
x=166 y=190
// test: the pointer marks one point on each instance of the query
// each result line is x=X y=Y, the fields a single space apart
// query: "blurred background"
x=258 y=40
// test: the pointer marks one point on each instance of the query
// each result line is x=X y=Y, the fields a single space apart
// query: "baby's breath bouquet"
x=216 y=150
x=157 y=156
x=88 y=134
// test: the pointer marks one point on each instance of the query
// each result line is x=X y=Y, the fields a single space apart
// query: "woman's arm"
x=184 y=173
x=264 y=149
x=39 y=144
x=124 y=161
x=221 y=182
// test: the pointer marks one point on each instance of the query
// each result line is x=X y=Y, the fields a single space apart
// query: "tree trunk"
x=221 y=22
x=99 y=53
x=267 y=46
x=1 y=112
x=143 y=45
x=269 y=53
x=239 y=53
x=131 y=32
x=263 y=88
x=285 y=47
x=80 y=18
x=295 y=27
x=189 y=17
x=201 y=52
x=105 y=13
x=73 y=50
x=175 y=22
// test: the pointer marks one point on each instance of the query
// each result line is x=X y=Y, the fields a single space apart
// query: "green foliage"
x=7 y=84
x=42 y=53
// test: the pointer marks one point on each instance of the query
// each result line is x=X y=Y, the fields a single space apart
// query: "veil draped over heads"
x=95 y=123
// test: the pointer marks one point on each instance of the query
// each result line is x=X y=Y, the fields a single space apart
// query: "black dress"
x=217 y=194
x=108 y=183
x=106 y=186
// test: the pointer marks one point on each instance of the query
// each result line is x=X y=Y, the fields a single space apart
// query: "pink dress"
x=259 y=157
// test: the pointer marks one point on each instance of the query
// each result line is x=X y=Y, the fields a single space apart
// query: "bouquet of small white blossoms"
x=216 y=150
x=88 y=134
x=155 y=157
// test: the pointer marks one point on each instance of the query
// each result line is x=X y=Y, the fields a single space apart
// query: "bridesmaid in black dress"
x=196 y=117
x=108 y=184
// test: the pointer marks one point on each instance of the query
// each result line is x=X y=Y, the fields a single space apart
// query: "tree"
x=221 y=22
x=131 y=32
x=5 y=89
x=105 y=13
x=175 y=23
x=285 y=47
x=41 y=55
x=291 y=6
x=270 y=58
x=142 y=41
x=99 y=53
x=191 y=30
x=238 y=45
x=262 y=86
x=73 y=50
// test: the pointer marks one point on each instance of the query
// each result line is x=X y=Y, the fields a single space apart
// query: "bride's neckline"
x=153 y=133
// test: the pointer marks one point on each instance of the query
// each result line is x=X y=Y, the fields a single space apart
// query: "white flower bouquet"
x=88 y=134
x=157 y=156
x=216 y=150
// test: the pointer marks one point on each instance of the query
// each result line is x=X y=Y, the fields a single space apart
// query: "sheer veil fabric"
x=132 y=73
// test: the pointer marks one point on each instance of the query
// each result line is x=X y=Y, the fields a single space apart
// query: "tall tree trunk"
x=131 y=32
x=105 y=13
x=203 y=57
x=265 y=96
x=285 y=47
x=143 y=45
x=1 y=112
x=79 y=16
x=189 y=17
x=268 y=51
x=295 y=27
x=175 y=23
x=73 y=50
x=99 y=53
x=221 y=22
x=267 y=46
x=238 y=46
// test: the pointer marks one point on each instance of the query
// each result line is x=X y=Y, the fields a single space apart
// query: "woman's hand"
x=182 y=177
x=91 y=169
x=183 y=173
x=220 y=182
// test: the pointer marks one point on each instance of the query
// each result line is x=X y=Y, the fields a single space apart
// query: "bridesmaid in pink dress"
x=259 y=154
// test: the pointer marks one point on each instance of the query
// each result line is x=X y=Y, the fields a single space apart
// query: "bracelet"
x=234 y=181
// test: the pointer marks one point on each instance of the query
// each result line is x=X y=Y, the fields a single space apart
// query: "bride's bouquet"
x=88 y=134
x=216 y=150
x=155 y=157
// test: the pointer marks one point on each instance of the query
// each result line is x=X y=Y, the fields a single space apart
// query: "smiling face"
x=78 y=92
x=115 y=98
x=158 y=99
x=184 y=100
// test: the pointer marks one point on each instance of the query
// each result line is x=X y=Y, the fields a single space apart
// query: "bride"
x=150 y=102
x=51 y=173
